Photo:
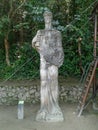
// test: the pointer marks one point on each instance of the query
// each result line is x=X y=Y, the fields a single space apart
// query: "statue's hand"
x=33 y=44
x=36 y=41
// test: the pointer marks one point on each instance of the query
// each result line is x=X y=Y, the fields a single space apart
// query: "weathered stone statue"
x=49 y=45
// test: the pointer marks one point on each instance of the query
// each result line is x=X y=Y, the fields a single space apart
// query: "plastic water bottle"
x=20 y=109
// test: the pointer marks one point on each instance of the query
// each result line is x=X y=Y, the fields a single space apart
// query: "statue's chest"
x=48 y=37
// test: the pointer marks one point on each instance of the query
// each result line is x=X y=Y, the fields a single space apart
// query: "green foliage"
x=25 y=63
x=4 y=22
x=21 y=23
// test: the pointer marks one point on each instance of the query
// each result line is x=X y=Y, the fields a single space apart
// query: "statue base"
x=47 y=117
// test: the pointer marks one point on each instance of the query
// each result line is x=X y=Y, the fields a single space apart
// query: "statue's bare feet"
x=55 y=117
x=41 y=116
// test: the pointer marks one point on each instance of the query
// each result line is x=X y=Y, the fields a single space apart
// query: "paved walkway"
x=9 y=121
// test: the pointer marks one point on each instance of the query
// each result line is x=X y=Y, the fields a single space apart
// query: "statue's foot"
x=55 y=117
x=41 y=116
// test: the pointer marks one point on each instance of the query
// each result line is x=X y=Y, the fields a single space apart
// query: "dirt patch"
x=9 y=121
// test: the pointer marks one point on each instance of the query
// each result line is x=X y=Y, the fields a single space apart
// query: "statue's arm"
x=36 y=40
x=59 y=48
x=59 y=40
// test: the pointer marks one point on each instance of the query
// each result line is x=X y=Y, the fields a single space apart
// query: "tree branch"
x=18 y=8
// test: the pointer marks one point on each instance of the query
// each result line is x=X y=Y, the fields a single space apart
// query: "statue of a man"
x=48 y=43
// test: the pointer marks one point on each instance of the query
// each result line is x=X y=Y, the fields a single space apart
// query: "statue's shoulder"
x=42 y=31
x=56 y=32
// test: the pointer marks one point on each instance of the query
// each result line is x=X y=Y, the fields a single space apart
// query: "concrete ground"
x=9 y=121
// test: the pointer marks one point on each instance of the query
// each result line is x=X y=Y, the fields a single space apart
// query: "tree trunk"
x=79 y=52
x=6 y=43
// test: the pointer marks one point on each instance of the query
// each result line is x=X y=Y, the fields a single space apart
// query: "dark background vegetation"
x=19 y=22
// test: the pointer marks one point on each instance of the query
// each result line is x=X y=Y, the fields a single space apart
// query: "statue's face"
x=48 y=19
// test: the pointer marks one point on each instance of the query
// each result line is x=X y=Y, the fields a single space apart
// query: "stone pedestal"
x=43 y=116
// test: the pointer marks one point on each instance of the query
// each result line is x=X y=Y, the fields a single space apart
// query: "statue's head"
x=47 y=16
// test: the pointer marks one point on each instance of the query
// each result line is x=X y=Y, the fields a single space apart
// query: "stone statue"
x=48 y=43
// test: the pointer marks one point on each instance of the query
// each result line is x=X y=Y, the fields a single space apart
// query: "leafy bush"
x=69 y=17
x=25 y=63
